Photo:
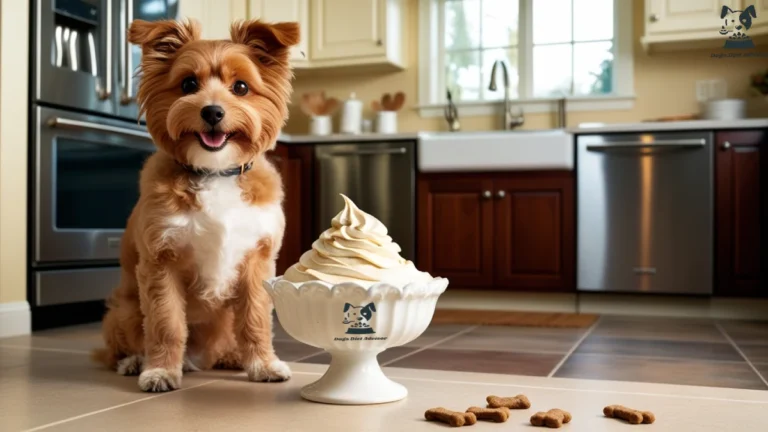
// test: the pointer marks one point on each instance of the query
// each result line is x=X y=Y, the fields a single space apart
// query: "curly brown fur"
x=196 y=249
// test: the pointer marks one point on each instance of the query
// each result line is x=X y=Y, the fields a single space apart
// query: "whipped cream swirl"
x=355 y=249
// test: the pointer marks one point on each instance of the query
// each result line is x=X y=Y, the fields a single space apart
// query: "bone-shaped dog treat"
x=499 y=415
x=553 y=418
x=518 y=402
x=630 y=415
x=453 y=418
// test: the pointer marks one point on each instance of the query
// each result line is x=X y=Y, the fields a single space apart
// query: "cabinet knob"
x=487 y=194
x=379 y=42
x=501 y=194
x=726 y=145
x=654 y=18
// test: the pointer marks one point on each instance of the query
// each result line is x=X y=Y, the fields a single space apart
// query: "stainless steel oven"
x=86 y=185
x=86 y=150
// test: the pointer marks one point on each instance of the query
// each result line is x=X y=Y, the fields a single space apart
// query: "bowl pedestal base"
x=354 y=378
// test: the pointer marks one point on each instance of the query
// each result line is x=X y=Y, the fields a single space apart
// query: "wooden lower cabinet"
x=294 y=162
x=498 y=231
x=741 y=207
x=534 y=232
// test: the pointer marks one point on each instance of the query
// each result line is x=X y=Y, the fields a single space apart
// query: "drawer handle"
x=726 y=145
x=487 y=194
x=501 y=194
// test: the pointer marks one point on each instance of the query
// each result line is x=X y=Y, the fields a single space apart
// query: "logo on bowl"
x=359 y=318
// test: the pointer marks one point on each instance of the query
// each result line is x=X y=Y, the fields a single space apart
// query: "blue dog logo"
x=735 y=26
x=359 y=318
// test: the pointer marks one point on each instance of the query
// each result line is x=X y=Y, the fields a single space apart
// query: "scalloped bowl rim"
x=434 y=286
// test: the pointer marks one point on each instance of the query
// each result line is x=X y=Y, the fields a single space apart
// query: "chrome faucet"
x=510 y=121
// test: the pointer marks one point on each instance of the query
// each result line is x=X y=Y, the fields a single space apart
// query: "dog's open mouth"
x=213 y=140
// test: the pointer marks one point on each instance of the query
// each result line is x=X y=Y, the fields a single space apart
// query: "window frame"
x=432 y=96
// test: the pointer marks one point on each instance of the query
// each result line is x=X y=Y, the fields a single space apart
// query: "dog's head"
x=737 y=21
x=358 y=314
x=214 y=104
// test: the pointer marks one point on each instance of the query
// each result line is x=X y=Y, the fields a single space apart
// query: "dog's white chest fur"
x=222 y=231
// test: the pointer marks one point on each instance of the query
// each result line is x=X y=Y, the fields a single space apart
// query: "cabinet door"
x=684 y=16
x=741 y=196
x=295 y=166
x=214 y=17
x=455 y=229
x=285 y=10
x=347 y=28
x=534 y=231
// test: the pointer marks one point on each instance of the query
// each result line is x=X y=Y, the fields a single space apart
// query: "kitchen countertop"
x=582 y=129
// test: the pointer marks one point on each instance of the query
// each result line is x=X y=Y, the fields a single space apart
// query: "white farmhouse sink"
x=495 y=151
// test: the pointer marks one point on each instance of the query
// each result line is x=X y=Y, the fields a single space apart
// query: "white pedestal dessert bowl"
x=354 y=324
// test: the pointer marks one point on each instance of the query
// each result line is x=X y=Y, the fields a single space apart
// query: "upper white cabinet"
x=687 y=24
x=215 y=17
x=334 y=33
x=286 y=10
x=348 y=28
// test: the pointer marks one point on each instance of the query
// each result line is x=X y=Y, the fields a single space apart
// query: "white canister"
x=386 y=122
x=351 y=115
x=320 y=125
x=725 y=109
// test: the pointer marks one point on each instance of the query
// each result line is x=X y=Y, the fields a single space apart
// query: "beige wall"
x=14 y=49
x=664 y=85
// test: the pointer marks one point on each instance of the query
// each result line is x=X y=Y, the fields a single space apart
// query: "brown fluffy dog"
x=209 y=222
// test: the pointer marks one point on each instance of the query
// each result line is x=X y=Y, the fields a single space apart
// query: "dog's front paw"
x=159 y=380
x=130 y=365
x=274 y=371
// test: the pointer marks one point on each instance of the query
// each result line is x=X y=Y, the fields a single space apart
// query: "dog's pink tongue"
x=213 y=139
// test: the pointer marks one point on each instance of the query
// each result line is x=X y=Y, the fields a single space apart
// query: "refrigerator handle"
x=126 y=96
x=104 y=90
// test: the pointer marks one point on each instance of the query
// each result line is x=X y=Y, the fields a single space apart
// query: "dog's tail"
x=104 y=356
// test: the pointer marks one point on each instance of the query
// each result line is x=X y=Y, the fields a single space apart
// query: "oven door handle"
x=65 y=123
x=679 y=143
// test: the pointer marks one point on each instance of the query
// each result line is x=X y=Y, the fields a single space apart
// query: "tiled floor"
x=39 y=375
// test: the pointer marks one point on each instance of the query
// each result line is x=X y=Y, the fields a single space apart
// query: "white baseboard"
x=608 y=304
x=15 y=319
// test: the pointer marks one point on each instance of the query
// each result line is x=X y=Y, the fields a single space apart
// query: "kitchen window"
x=578 y=49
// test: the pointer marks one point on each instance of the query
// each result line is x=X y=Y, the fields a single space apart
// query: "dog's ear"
x=725 y=11
x=751 y=11
x=274 y=40
x=161 y=39
x=347 y=306
x=372 y=307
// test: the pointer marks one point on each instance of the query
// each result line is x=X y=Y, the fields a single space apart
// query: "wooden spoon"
x=330 y=106
x=306 y=104
x=399 y=101
x=376 y=105
x=386 y=102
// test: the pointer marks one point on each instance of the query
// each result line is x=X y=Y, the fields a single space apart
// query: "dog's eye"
x=189 y=85
x=240 y=88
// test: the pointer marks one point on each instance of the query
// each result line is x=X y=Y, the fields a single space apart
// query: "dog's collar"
x=203 y=172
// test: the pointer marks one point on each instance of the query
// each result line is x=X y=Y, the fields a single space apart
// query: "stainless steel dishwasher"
x=645 y=212
x=380 y=177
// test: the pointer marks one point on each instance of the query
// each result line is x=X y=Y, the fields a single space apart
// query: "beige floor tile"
x=76 y=338
x=235 y=405
x=51 y=386
x=435 y=334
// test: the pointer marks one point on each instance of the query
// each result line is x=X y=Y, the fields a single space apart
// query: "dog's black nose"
x=212 y=114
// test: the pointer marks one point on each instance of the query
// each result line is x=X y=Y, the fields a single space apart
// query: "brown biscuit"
x=632 y=416
x=553 y=418
x=453 y=418
x=518 y=402
x=499 y=415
